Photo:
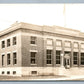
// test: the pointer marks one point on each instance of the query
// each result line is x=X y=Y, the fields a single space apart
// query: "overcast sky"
x=43 y=14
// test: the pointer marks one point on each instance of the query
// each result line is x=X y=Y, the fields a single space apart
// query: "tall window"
x=75 y=58
x=8 y=59
x=48 y=56
x=14 y=40
x=14 y=58
x=82 y=58
x=33 y=40
x=8 y=42
x=3 y=44
x=58 y=53
x=3 y=60
x=33 y=57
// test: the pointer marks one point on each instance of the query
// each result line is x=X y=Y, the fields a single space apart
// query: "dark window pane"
x=33 y=40
x=8 y=59
x=57 y=61
x=82 y=58
x=33 y=57
x=8 y=42
x=14 y=72
x=3 y=44
x=15 y=58
x=3 y=60
x=14 y=40
x=48 y=61
x=48 y=56
x=58 y=53
x=75 y=58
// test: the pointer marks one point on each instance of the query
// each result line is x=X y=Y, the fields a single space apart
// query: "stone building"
x=27 y=50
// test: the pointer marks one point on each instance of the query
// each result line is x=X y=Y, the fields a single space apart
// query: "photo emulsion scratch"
x=31 y=51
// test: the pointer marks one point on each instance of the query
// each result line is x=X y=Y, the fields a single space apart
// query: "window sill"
x=13 y=45
x=14 y=64
x=2 y=48
x=33 y=64
x=33 y=44
x=48 y=64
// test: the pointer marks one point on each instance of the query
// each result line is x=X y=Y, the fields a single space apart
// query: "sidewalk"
x=42 y=78
x=63 y=78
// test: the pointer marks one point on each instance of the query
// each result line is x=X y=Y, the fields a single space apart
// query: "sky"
x=65 y=15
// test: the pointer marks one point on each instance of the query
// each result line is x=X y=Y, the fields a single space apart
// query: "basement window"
x=33 y=72
x=14 y=72
x=8 y=72
x=3 y=72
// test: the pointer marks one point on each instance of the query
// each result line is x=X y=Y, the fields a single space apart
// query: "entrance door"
x=67 y=63
x=67 y=60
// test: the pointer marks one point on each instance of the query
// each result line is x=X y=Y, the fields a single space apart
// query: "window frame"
x=67 y=46
x=33 y=58
x=8 y=59
x=74 y=46
x=48 y=59
x=3 y=45
x=49 y=44
x=33 y=40
x=14 y=58
x=75 y=58
x=14 y=40
x=81 y=58
x=8 y=42
x=3 y=59
x=58 y=45
x=58 y=56
x=81 y=46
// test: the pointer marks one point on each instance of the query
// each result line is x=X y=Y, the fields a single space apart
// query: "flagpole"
x=64 y=13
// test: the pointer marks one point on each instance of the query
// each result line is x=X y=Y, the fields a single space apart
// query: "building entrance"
x=67 y=60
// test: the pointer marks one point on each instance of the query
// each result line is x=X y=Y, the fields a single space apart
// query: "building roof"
x=44 y=28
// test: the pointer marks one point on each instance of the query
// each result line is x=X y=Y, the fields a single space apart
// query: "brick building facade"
x=27 y=49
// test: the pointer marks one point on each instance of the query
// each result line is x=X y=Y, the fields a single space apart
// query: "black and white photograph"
x=42 y=42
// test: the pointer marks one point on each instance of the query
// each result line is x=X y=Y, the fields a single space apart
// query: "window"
x=82 y=45
x=82 y=58
x=8 y=72
x=14 y=58
x=58 y=43
x=33 y=72
x=14 y=40
x=58 y=53
x=75 y=45
x=3 y=44
x=33 y=40
x=8 y=42
x=14 y=72
x=67 y=44
x=3 y=72
x=8 y=59
x=33 y=57
x=75 y=58
x=3 y=60
x=48 y=56
x=49 y=41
